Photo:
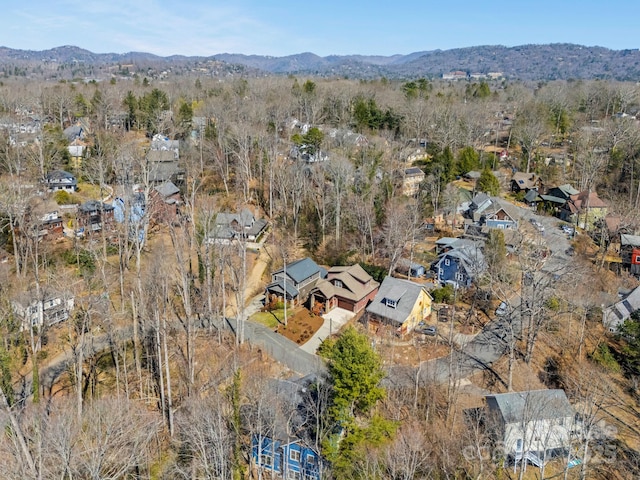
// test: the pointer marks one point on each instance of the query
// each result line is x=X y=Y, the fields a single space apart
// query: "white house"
x=45 y=309
x=533 y=425
x=60 y=180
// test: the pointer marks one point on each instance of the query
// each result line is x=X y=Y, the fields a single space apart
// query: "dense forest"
x=155 y=373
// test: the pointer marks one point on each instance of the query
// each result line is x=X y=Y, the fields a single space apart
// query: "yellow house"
x=401 y=303
x=584 y=209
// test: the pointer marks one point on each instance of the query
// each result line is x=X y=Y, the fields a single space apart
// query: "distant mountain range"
x=527 y=62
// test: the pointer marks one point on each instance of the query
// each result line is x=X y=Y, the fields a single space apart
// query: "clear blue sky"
x=283 y=27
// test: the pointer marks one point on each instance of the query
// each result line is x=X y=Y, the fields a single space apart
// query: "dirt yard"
x=301 y=326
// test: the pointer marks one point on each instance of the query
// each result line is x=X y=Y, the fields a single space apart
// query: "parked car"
x=537 y=225
x=431 y=331
x=502 y=309
x=568 y=230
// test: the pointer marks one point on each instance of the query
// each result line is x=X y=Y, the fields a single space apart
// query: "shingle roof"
x=470 y=257
x=356 y=283
x=56 y=175
x=166 y=189
x=532 y=196
x=301 y=269
x=525 y=180
x=532 y=405
x=592 y=197
x=280 y=285
x=404 y=292
x=480 y=198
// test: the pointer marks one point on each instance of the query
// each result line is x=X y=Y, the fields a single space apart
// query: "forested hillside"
x=559 y=61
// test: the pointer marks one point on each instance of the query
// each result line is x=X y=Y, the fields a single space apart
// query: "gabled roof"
x=72 y=132
x=532 y=405
x=404 y=292
x=470 y=257
x=506 y=207
x=302 y=269
x=580 y=200
x=57 y=175
x=532 y=196
x=525 y=180
x=568 y=190
x=160 y=142
x=166 y=189
x=480 y=199
x=244 y=218
x=355 y=271
x=356 y=283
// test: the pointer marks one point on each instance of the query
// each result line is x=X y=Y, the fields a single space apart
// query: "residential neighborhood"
x=238 y=275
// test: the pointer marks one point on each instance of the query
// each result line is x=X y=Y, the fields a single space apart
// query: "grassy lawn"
x=267 y=318
x=87 y=191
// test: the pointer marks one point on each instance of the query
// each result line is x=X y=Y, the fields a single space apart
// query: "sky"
x=329 y=27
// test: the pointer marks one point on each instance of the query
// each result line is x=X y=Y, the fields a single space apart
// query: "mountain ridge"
x=555 y=61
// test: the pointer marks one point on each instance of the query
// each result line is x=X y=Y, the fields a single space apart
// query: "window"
x=338 y=283
x=390 y=303
x=265 y=460
x=294 y=455
x=459 y=277
x=447 y=262
x=296 y=476
x=311 y=460
x=637 y=259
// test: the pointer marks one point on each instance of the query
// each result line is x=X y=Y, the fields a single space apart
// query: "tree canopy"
x=488 y=182
x=355 y=370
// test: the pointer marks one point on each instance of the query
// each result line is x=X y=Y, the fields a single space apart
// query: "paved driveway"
x=333 y=321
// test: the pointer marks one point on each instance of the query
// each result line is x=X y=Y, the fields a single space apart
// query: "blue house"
x=131 y=210
x=287 y=459
x=460 y=266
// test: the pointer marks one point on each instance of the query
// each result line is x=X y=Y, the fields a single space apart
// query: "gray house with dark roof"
x=237 y=226
x=295 y=281
x=532 y=425
x=479 y=204
x=400 y=303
